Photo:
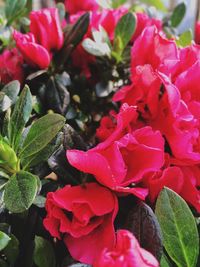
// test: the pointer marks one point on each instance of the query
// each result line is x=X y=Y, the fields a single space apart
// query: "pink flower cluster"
x=35 y=48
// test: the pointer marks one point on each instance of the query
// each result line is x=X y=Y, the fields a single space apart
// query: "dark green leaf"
x=124 y=31
x=12 y=250
x=3 y=263
x=20 y=192
x=40 y=135
x=179 y=228
x=178 y=14
x=142 y=222
x=12 y=90
x=43 y=253
x=4 y=240
x=20 y=116
x=57 y=96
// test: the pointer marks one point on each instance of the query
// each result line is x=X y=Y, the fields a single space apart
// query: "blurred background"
x=193 y=7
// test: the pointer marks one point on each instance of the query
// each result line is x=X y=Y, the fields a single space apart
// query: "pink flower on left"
x=46 y=37
x=11 y=66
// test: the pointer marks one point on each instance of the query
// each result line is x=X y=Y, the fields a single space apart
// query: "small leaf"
x=158 y=4
x=79 y=265
x=5 y=102
x=12 y=90
x=39 y=201
x=43 y=253
x=178 y=227
x=20 y=116
x=178 y=14
x=185 y=39
x=124 y=31
x=20 y=192
x=96 y=49
x=41 y=134
x=143 y=223
x=57 y=96
x=4 y=240
x=12 y=250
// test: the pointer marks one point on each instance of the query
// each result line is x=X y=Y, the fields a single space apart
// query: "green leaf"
x=12 y=90
x=43 y=255
x=118 y=3
x=14 y=9
x=178 y=227
x=185 y=39
x=5 y=102
x=164 y=261
x=4 y=240
x=96 y=49
x=20 y=192
x=178 y=14
x=124 y=31
x=158 y=4
x=40 y=135
x=20 y=116
x=12 y=250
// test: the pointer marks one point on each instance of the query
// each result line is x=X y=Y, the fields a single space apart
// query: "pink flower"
x=11 y=66
x=153 y=48
x=126 y=253
x=46 y=28
x=75 y=6
x=34 y=54
x=124 y=157
x=83 y=216
x=143 y=21
x=197 y=32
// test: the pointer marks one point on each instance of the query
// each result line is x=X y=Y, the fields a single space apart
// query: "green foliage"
x=178 y=14
x=14 y=9
x=43 y=253
x=20 y=117
x=179 y=228
x=4 y=240
x=123 y=33
x=20 y=192
x=39 y=136
x=156 y=3
x=185 y=39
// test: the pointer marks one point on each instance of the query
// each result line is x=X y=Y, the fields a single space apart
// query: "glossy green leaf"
x=20 y=116
x=43 y=253
x=178 y=14
x=185 y=39
x=124 y=31
x=20 y=192
x=178 y=227
x=4 y=240
x=40 y=135
x=158 y=4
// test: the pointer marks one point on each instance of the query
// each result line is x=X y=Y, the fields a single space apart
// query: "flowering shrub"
x=99 y=135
